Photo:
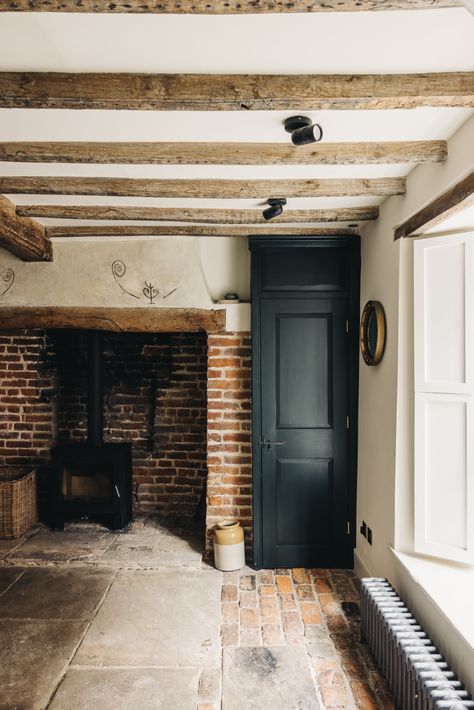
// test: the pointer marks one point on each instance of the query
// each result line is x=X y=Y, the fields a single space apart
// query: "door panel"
x=303 y=488
x=305 y=270
x=305 y=403
x=312 y=407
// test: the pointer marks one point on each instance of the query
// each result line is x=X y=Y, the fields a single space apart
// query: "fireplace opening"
x=144 y=390
x=93 y=479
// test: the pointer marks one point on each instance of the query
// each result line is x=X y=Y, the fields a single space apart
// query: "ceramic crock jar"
x=229 y=552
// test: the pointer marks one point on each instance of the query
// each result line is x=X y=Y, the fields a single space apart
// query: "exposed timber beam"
x=197 y=230
x=142 y=320
x=226 y=153
x=220 y=7
x=23 y=236
x=141 y=187
x=449 y=203
x=234 y=92
x=199 y=215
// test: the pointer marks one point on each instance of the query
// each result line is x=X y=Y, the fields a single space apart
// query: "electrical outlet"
x=363 y=529
x=369 y=536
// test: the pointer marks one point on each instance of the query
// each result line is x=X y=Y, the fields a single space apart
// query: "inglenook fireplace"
x=92 y=479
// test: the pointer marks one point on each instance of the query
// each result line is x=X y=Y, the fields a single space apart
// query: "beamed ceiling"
x=166 y=117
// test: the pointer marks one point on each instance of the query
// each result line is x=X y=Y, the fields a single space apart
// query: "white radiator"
x=418 y=676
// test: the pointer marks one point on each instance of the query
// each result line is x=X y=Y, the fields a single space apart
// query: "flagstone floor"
x=93 y=618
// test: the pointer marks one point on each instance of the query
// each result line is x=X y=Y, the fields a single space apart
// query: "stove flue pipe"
x=95 y=388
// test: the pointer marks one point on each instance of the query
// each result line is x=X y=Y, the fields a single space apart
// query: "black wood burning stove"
x=92 y=479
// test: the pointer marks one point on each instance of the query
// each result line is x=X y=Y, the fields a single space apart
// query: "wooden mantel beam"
x=184 y=188
x=198 y=215
x=234 y=92
x=137 y=153
x=137 y=320
x=220 y=7
x=23 y=236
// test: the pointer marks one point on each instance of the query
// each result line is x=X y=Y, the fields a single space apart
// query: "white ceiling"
x=339 y=42
x=249 y=126
x=363 y=42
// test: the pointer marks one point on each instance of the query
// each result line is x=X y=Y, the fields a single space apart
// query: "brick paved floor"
x=317 y=609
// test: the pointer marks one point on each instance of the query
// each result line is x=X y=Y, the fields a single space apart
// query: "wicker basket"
x=18 y=510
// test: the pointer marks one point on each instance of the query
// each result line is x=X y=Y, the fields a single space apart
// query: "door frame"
x=257 y=246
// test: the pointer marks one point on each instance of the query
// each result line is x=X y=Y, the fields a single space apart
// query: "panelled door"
x=303 y=431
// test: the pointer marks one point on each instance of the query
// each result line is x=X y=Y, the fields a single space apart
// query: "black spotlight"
x=303 y=130
x=275 y=207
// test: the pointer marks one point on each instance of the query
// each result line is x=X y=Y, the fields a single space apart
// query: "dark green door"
x=305 y=323
x=305 y=437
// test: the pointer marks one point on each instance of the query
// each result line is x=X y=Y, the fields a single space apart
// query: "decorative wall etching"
x=7 y=277
x=150 y=292
x=76 y=279
x=118 y=270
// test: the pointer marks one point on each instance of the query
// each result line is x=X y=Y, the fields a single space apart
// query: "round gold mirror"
x=372 y=332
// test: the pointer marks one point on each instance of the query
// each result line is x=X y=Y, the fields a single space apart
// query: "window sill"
x=450 y=587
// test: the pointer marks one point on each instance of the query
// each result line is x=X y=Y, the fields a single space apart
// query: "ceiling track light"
x=275 y=207
x=303 y=130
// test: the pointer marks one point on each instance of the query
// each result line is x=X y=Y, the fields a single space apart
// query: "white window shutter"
x=444 y=422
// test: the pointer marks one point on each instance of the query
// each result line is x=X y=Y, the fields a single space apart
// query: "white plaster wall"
x=81 y=274
x=378 y=397
x=194 y=272
x=385 y=466
x=204 y=269
x=385 y=429
x=226 y=265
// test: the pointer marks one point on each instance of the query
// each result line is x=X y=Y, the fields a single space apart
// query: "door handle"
x=268 y=444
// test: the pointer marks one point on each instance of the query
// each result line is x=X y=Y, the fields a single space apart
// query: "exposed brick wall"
x=159 y=391
x=229 y=414
x=27 y=413
x=155 y=398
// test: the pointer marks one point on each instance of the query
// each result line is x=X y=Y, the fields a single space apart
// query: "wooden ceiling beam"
x=199 y=215
x=220 y=7
x=446 y=205
x=185 y=188
x=23 y=236
x=234 y=92
x=136 y=153
x=197 y=230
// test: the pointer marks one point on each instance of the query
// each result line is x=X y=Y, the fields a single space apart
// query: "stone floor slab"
x=57 y=546
x=108 y=689
x=274 y=678
x=8 y=575
x=56 y=593
x=153 y=549
x=7 y=546
x=33 y=657
x=164 y=618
